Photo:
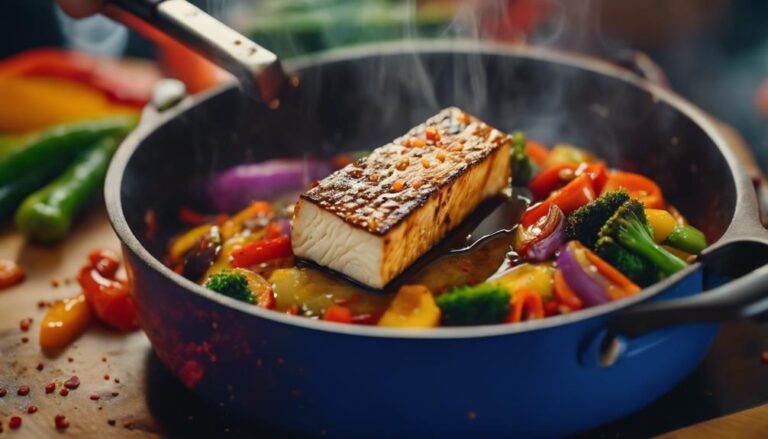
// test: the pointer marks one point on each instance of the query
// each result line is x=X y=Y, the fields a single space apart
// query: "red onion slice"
x=589 y=290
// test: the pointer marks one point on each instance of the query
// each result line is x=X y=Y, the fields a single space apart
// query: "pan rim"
x=114 y=180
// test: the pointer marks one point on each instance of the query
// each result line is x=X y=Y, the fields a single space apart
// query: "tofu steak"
x=375 y=217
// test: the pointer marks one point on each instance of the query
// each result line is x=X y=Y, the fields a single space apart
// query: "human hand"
x=80 y=8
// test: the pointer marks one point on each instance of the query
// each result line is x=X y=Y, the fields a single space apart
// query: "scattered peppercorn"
x=103 y=359
x=15 y=422
x=41 y=304
x=117 y=381
x=70 y=359
x=24 y=339
x=50 y=387
x=61 y=422
x=111 y=422
x=23 y=390
x=55 y=282
x=72 y=383
x=32 y=409
x=432 y=134
x=24 y=324
x=3 y=392
x=115 y=393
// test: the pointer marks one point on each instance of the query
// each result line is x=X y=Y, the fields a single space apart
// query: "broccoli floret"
x=482 y=304
x=585 y=223
x=522 y=166
x=232 y=284
x=637 y=268
x=629 y=228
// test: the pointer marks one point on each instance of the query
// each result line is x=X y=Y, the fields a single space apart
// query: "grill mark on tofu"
x=365 y=193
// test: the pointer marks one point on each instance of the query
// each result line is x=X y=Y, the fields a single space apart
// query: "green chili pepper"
x=46 y=215
x=29 y=166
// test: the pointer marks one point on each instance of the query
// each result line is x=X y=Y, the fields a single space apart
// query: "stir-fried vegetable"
x=642 y=271
x=686 y=238
x=522 y=166
x=585 y=223
x=574 y=195
x=243 y=285
x=413 y=307
x=639 y=187
x=541 y=240
x=482 y=304
x=629 y=228
x=568 y=154
x=554 y=177
x=662 y=223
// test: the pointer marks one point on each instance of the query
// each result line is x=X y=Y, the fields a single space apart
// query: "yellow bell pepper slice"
x=413 y=307
x=537 y=277
x=662 y=223
x=34 y=103
x=64 y=322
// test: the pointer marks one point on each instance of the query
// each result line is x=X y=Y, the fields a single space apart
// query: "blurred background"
x=714 y=52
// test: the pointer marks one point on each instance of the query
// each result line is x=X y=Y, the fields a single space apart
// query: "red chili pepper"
x=551 y=308
x=574 y=195
x=191 y=217
x=338 y=314
x=110 y=299
x=261 y=251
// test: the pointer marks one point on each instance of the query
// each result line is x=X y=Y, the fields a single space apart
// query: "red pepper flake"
x=40 y=366
x=70 y=359
x=25 y=339
x=61 y=422
x=117 y=381
x=432 y=134
x=23 y=390
x=314 y=184
x=115 y=393
x=95 y=396
x=72 y=383
x=111 y=422
x=50 y=387
x=103 y=359
x=764 y=357
x=32 y=409
x=106 y=376
x=24 y=324
x=64 y=391
x=3 y=392
x=15 y=422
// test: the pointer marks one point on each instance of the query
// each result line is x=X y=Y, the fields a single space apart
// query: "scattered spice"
x=398 y=185
x=432 y=134
x=72 y=383
x=3 y=392
x=61 y=422
x=25 y=339
x=64 y=391
x=115 y=393
x=24 y=324
x=111 y=422
x=95 y=396
x=117 y=381
x=40 y=366
x=41 y=304
x=106 y=376
x=374 y=177
x=402 y=164
x=417 y=185
x=23 y=390
x=764 y=357
x=32 y=409
x=55 y=282
x=70 y=359
x=103 y=359
x=426 y=163
x=11 y=273
x=50 y=387
x=417 y=142
x=440 y=156
x=15 y=422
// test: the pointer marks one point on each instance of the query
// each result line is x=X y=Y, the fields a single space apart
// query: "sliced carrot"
x=639 y=187
x=565 y=294
x=528 y=300
x=612 y=274
x=537 y=152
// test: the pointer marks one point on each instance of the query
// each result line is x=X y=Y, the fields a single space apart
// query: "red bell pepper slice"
x=528 y=300
x=554 y=177
x=110 y=299
x=262 y=251
x=338 y=314
x=537 y=152
x=639 y=187
x=575 y=194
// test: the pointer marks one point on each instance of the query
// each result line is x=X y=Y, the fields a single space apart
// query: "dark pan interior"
x=363 y=102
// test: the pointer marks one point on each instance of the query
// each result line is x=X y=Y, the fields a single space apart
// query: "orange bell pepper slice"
x=262 y=251
x=64 y=322
x=625 y=286
x=575 y=194
x=338 y=314
x=639 y=187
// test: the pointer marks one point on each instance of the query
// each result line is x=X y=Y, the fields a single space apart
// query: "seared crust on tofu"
x=399 y=201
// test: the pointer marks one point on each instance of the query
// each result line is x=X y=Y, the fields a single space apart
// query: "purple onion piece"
x=285 y=226
x=589 y=290
x=234 y=188
x=544 y=247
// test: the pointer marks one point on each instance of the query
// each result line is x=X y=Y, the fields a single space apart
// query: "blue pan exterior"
x=297 y=377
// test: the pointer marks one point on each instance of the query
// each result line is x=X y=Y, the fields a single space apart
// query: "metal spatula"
x=256 y=68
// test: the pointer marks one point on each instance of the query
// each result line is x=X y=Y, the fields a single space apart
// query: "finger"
x=80 y=8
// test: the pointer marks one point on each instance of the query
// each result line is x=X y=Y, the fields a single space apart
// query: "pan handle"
x=743 y=257
x=257 y=68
